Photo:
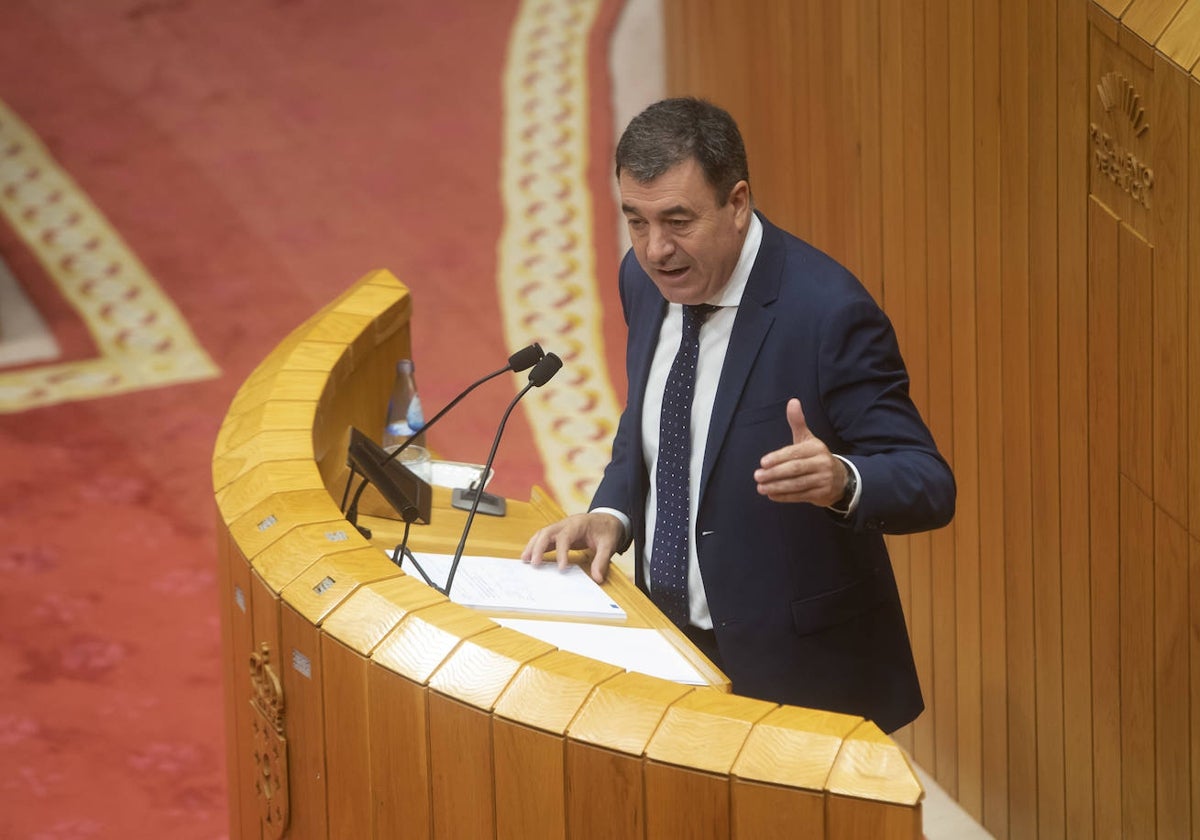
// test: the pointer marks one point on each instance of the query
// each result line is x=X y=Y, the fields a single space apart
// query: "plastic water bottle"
x=404 y=416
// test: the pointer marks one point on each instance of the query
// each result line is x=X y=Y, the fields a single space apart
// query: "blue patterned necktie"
x=669 y=552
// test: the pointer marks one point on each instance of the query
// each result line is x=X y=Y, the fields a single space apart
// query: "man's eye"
x=680 y=224
x=636 y=224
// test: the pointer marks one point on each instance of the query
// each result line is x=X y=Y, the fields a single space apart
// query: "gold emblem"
x=270 y=747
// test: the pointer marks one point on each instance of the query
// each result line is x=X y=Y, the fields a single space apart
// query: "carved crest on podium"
x=1118 y=143
x=270 y=746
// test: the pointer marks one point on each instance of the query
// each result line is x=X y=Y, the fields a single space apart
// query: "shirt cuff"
x=622 y=518
x=850 y=508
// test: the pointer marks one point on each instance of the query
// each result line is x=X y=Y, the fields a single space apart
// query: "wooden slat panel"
x=760 y=810
x=1172 y=783
x=1104 y=510
x=530 y=782
x=773 y=62
x=1015 y=378
x=400 y=777
x=1072 y=97
x=1044 y=433
x=1137 y=662
x=964 y=456
x=849 y=819
x=892 y=297
x=1194 y=656
x=989 y=303
x=870 y=142
x=462 y=777
x=915 y=338
x=1193 y=331
x=606 y=796
x=940 y=400
x=1135 y=359
x=347 y=739
x=1169 y=214
x=244 y=814
x=305 y=715
x=707 y=795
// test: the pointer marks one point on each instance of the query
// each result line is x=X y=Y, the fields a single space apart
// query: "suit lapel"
x=750 y=327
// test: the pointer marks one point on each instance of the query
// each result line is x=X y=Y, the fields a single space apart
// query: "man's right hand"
x=602 y=533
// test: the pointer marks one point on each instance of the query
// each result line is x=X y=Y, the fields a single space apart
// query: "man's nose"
x=661 y=245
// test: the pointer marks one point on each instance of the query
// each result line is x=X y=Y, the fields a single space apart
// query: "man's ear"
x=739 y=197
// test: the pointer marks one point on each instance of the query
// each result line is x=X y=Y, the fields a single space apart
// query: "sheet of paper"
x=639 y=649
x=499 y=583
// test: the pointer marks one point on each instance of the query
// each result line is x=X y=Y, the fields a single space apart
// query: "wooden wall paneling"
x=870 y=149
x=1102 y=308
x=1105 y=58
x=1015 y=421
x=834 y=80
x=943 y=691
x=915 y=339
x=1172 y=753
x=774 y=77
x=1044 y=431
x=1135 y=355
x=1072 y=96
x=305 y=716
x=797 y=161
x=1137 y=662
x=892 y=203
x=1168 y=106
x=964 y=456
x=989 y=302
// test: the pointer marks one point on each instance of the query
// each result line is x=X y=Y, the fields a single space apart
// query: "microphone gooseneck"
x=521 y=360
x=542 y=373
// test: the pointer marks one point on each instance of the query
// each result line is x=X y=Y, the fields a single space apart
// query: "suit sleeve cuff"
x=622 y=518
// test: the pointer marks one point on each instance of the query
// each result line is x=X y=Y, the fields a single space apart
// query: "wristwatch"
x=842 y=505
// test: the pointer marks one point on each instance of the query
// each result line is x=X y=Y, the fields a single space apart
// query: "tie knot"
x=698 y=313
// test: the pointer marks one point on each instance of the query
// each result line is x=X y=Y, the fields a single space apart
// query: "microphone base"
x=463 y=497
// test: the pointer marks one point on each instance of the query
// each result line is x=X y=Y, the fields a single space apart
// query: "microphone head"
x=525 y=358
x=544 y=370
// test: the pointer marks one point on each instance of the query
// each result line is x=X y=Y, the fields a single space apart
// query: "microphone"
x=523 y=359
x=542 y=373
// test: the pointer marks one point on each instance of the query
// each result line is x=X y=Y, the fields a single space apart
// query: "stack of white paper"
x=502 y=584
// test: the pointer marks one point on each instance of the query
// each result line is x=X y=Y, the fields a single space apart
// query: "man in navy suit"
x=803 y=447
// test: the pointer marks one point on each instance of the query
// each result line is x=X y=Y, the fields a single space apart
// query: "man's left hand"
x=806 y=471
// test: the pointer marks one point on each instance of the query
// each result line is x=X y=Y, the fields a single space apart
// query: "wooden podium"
x=361 y=703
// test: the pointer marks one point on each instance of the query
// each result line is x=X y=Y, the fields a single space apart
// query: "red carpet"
x=257 y=157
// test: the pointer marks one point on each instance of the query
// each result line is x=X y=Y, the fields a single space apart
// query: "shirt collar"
x=731 y=294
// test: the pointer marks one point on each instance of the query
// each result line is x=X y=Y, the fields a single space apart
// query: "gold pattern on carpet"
x=143 y=341
x=547 y=272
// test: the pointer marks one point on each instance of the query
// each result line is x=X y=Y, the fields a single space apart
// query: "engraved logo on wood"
x=1110 y=155
x=270 y=747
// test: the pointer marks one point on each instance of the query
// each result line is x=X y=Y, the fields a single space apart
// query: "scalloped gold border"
x=546 y=274
x=142 y=340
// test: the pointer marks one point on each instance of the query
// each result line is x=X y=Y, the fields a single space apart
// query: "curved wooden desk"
x=361 y=703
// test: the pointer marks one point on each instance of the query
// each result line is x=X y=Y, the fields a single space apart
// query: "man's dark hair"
x=669 y=132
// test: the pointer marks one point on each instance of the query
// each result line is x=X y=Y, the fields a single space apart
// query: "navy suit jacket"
x=803 y=601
